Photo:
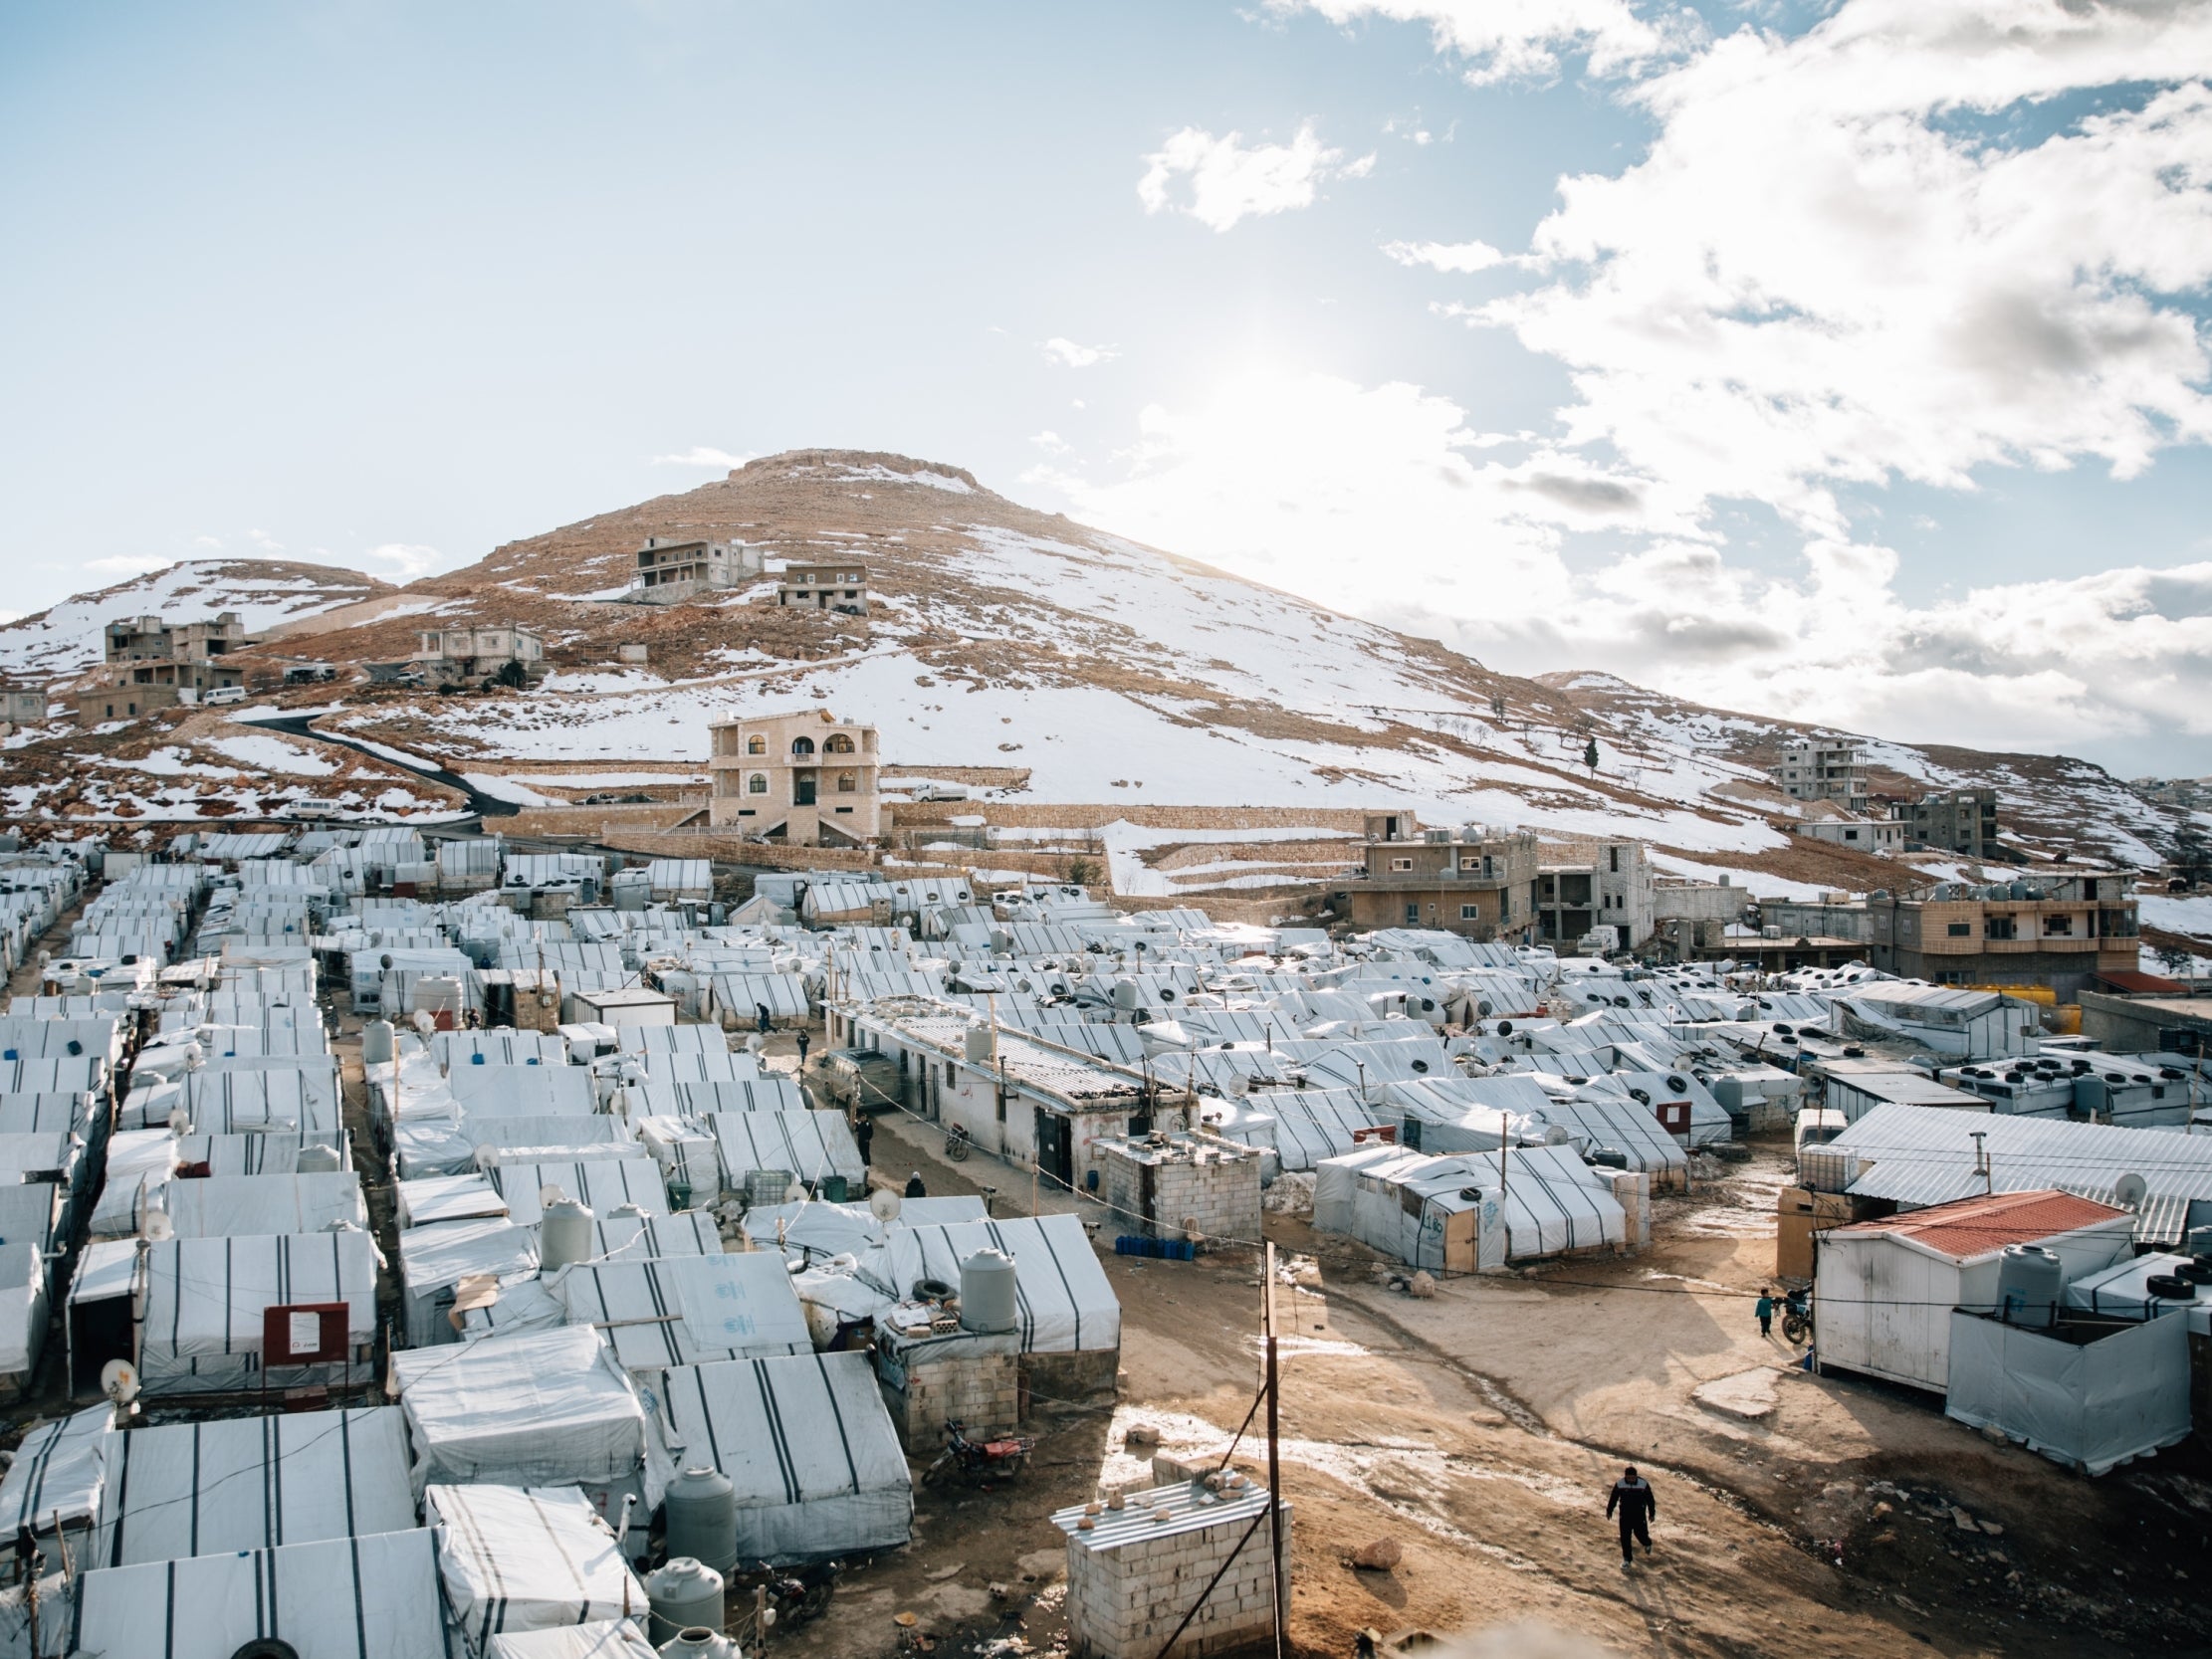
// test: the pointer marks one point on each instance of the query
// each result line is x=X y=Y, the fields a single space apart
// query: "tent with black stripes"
x=252 y=1483
x=372 y=1598
x=527 y=1408
x=808 y=1444
x=435 y=1258
x=601 y=1184
x=57 y=1477
x=687 y=1309
x=1066 y=1302
x=224 y=1206
x=601 y=1639
x=204 y=1299
x=806 y=1145
x=528 y=1559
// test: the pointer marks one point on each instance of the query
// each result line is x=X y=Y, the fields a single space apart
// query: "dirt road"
x=1482 y=1427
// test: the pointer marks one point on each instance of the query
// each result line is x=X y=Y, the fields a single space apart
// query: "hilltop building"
x=807 y=779
x=2058 y=930
x=152 y=665
x=1822 y=769
x=1956 y=820
x=1823 y=821
x=827 y=585
x=1583 y=885
x=22 y=705
x=669 y=571
x=1474 y=881
x=474 y=653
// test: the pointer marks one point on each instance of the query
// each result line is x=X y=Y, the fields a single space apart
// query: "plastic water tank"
x=2030 y=1282
x=316 y=1160
x=376 y=1043
x=979 y=1045
x=987 y=1296
x=685 y=1595
x=702 y=1517
x=697 y=1643
x=565 y=1235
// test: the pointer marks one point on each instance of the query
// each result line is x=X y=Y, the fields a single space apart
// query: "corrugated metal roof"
x=1969 y=1227
x=1189 y=1506
x=1925 y=1155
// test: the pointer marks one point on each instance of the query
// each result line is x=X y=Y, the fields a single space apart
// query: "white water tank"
x=2030 y=1283
x=565 y=1235
x=377 y=1038
x=316 y=1160
x=702 y=1518
x=979 y=1045
x=697 y=1643
x=988 y=1305
x=684 y=1596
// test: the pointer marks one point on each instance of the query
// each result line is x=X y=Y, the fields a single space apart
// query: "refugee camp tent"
x=467 y=1197
x=1448 y=1213
x=435 y=1257
x=228 y=1206
x=527 y=1558
x=639 y=1238
x=23 y=1312
x=372 y=1598
x=205 y=1297
x=531 y=1408
x=2089 y=1397
x=601 y=1184
x=58 y=1475
x=526 y=1090
x=811 y=1230
x=1064 y=1299
x=688 y=1309
x=653 y=1097
x=252 y=1483
x=808 y=1444
x=601 y=1639
x=806 y=1145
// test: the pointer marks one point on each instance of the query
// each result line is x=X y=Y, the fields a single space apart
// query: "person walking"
x=1765 y=1311
x=864 y=1136
x=803 y=1040
x=1635 y=1502
x=760 y=1012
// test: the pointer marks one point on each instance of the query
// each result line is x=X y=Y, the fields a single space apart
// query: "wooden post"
x=1274 y=1464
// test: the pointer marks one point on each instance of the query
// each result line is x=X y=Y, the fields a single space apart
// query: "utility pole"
x=1274 y=1424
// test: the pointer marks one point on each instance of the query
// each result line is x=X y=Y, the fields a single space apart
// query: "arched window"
x=802 y=745
x=756 y=745
x=756 y=785
x=837 y=743
x=849 y=783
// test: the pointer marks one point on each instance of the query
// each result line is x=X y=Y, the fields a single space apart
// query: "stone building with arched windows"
x=805 y=778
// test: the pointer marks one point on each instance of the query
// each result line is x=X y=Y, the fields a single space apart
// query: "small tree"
x=1590 y=756
x=510 y=675
x=1081 y=872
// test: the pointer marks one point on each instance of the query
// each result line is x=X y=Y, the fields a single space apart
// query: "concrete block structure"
x=1823 y=770
x=671 y=570
x=1175 y=1185
x=824 y=585
x=966 y=1377
x=806 y=779
x=150 y=665
x=1137 y=1570
x=473 y=653
x=1474 y=881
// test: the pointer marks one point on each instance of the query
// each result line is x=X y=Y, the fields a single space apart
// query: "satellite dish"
x=158 y=1228
x=884 y=1203
x=2130 y=1190
x=119 y=1380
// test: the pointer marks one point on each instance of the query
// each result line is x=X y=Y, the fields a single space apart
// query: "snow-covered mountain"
x=1004 y=637
x=65 y=639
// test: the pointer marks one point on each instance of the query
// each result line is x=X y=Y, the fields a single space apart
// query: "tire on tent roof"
x=267 y=1647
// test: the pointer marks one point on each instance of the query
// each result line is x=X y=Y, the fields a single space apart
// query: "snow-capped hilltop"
x=67 y=638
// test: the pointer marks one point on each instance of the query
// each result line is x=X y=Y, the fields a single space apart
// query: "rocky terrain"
x=999 y=637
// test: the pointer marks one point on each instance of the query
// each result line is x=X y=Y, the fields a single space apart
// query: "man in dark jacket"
x=1634 y=1500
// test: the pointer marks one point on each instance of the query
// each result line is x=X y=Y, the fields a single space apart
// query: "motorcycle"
x=795 y=1594
x=979 y=1460
x=957 y=1143
x=1797 y=1318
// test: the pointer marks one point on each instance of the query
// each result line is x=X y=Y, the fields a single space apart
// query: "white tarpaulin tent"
x=435 y=1258
x=531 y=1408
x=808 y=1444
x=469 y=1197
x=372 y=1597
x=688 y=1309
x=1446 y=1213
x=601 y=1184
x=2087 y=1404
x=60 y=1470
x=527 y=1558
x=1066 y=1302
x=523 y=1091
x=815 y=1232
x=653 y=1098
x=807 y=1145
x=22 y=1309
x=609 y=1639
x=238 y=1207
x=204 y=1299
x=252 y=1482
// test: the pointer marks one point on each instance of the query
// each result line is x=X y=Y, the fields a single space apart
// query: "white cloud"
x=1500 y=40
x=700 y=455
x=1049 y=441
x=1459 y=257
x=1229 y=181
x=402 y=561
x=207 y=542
x=1072 y=355
x=128 y=564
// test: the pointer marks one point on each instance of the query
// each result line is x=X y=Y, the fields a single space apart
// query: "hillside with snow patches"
x=1000 y=636
x=67 y=639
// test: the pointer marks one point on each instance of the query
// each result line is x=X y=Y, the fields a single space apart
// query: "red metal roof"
x=2127 y=979
x=1969 y=1227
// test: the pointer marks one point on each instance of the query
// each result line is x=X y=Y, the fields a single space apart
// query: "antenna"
x=2130 y=1189
x=884 y=1203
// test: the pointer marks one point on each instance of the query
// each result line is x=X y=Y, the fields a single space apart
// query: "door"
x=1055 y=1137
x=803 y=789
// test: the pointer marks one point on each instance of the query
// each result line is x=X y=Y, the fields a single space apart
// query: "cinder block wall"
x=1220 y=1196
x=1123 y=1602
x=979 y=1386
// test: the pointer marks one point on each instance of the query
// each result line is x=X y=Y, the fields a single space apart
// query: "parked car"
x=860 y=1078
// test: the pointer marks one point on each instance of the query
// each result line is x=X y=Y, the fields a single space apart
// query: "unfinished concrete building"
x=1823 y=770
x=673 y=570
x=839 y=585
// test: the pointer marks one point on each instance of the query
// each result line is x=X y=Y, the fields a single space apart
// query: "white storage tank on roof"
x=988 y=1302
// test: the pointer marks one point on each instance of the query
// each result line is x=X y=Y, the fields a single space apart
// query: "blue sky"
x=1809 y=401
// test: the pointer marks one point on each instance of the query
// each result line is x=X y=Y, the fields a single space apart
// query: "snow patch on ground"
x=273 y=755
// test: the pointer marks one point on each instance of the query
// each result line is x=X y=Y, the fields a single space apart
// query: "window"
x=1470 y=912
x=756 y=785
x=1960 y=929
x=1615 y=852
x=849 y=783
x=2000 y=927
x=1401 y=864
x=756 y=745
x=1850 y=835
x=1413 y=916
x=802 y=745
x=837 y=743
x=948 y=1072
x=2058 y=927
